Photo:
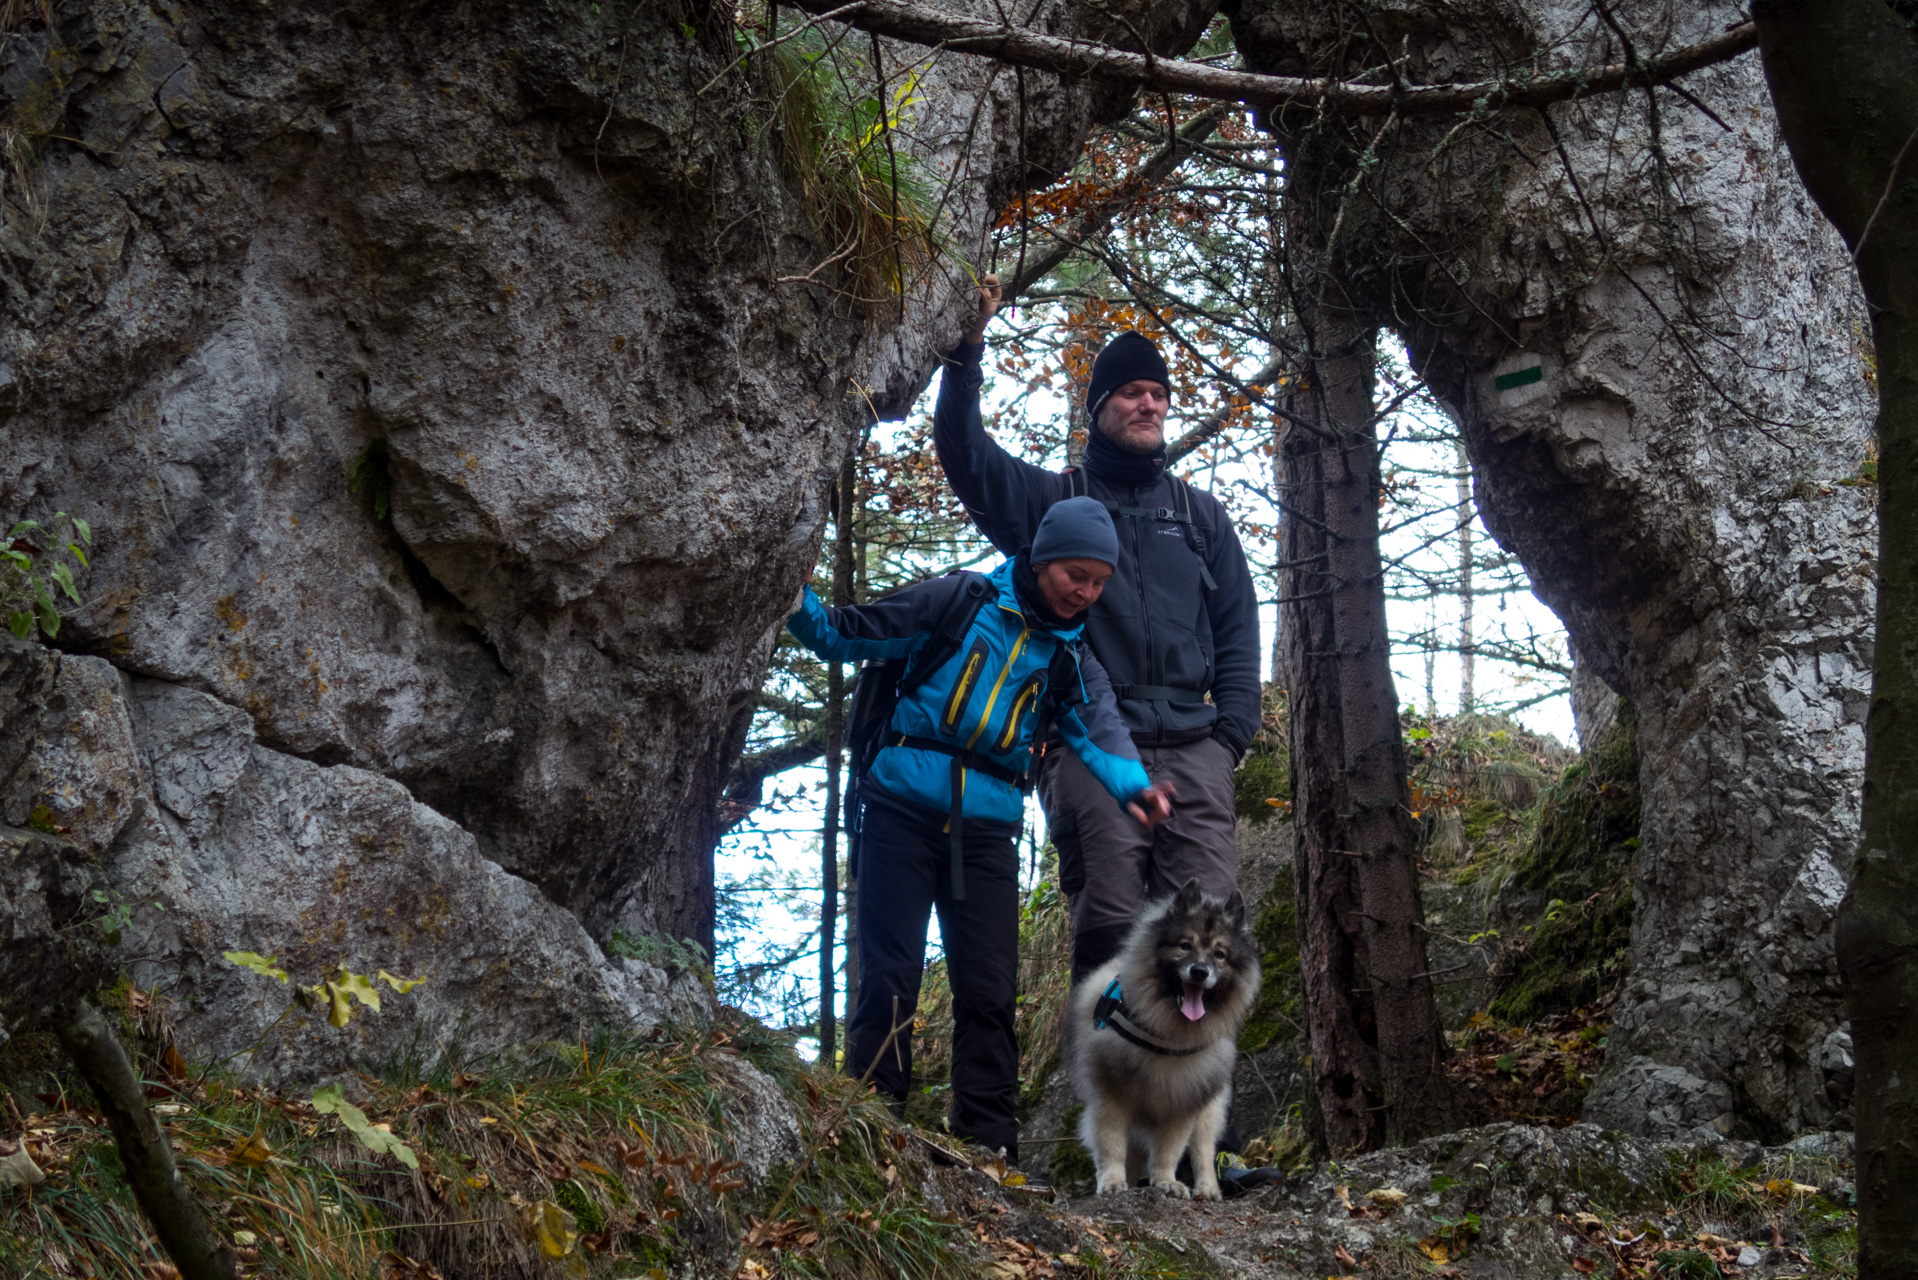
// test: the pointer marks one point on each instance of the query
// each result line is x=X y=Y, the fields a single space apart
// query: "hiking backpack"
x=880 y=685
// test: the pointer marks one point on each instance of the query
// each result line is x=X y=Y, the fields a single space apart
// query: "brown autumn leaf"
x=1584 y=1266
x=395 y=1265
x=1345 y=1259
x=769 y=1235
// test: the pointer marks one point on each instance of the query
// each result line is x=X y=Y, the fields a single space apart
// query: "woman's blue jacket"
x=986 y=698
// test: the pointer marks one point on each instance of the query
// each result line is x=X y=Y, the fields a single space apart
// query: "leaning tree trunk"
x=1844 y=76
x=145 y=1157
x=1377 y=1048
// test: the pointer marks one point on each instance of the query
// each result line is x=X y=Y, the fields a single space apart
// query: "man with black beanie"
x=1177 y=628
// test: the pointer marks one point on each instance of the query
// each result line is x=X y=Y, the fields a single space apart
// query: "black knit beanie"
x=1126 y=358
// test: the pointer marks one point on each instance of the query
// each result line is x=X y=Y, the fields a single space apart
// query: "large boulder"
x=53 y=826
x=202 y=841
x=1650 y=338
x=452 y=391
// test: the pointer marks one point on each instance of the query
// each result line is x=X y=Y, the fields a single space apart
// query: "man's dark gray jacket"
x=1157 y=629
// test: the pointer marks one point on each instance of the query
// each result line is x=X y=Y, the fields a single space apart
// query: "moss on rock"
x=1072 y=1169
x=1266 y=772
x=1575 y=950
x=1281 y=1003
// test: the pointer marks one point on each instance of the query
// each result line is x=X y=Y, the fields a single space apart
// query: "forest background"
x=1168 y=225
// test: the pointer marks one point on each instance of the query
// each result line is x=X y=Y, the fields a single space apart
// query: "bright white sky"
x=787 y=841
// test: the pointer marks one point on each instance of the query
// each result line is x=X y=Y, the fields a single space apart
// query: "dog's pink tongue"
x=1193 y=1005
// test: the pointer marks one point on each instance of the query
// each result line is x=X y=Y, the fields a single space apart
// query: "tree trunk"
x=844 y=502
x=1377 y=1048
x=144 y=1154
x=1844 y=77
x=1466 y=697
x=829 y=862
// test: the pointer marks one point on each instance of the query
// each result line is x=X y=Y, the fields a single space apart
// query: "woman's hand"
x=990 y=295
x=1152 y=805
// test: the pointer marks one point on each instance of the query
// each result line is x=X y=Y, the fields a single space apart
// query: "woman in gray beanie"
x=943 y=802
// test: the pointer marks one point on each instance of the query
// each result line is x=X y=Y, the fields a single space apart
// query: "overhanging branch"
x=1100 y=216
x=1016 y=46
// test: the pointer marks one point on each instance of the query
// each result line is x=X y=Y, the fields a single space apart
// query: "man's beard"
x=1132 y=439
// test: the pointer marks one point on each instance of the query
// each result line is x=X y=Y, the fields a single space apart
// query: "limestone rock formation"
x=51 y=829
x=452 y=392
x=212 y=843
x=1650 y=337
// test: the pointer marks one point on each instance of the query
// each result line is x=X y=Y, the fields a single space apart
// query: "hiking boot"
x=1028 y=1184
x=1237 y=1179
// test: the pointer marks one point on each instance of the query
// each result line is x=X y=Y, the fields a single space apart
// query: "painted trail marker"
x=1513 y=381
x=1519 y=379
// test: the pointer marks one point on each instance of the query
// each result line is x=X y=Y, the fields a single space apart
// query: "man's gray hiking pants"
x=1110 y=865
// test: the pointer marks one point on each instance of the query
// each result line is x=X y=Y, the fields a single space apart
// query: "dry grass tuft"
x=617 y=1156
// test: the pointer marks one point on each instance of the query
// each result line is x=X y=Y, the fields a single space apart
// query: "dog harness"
x=1111 y=1011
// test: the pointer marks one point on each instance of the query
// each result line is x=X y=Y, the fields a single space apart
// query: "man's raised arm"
x=1005 y=496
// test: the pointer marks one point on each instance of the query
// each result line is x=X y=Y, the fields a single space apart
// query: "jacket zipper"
x=1028 y=693
x=962 y=688
x=1145 y=613
x=986 y=715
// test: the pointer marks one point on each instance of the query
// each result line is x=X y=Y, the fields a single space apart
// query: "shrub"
x=34 y=561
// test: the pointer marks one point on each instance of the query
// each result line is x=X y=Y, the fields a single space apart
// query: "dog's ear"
x=1235 y=910
x=1190 y=896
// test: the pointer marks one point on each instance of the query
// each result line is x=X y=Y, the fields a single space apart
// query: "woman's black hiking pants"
x=904 y=872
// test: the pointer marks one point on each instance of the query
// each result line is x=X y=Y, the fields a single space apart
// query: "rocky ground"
x=710 y=1151
x=1507 y=1201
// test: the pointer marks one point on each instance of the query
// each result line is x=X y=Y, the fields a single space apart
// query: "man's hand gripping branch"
x=990 y=295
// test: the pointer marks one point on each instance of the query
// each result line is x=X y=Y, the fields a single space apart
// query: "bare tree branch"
x=926 y=25
x=1099 y=217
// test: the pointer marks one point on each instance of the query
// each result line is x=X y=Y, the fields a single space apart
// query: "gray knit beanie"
x=1078 y=528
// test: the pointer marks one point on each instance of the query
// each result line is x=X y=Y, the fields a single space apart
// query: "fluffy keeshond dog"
x=1152 y=1036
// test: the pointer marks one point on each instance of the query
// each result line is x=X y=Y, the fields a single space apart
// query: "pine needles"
x=838 y=119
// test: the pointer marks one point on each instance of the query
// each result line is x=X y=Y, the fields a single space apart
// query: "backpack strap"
x=1180 y=514
x=1190 y=530
x=949 y=633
